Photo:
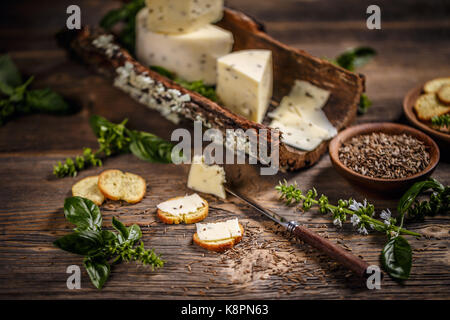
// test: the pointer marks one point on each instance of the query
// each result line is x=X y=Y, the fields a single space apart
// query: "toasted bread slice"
x=116 y=185
x=434 y=85
x=427 y=106
x=88 y=188
x=219 y=245
x=443 y=94
x=187 y=218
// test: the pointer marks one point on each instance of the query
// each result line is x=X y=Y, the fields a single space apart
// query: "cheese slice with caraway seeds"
x=218 y=230
x=183 y=205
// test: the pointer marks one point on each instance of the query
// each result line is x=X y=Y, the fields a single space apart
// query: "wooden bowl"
x=408 y=109
x=381 y=184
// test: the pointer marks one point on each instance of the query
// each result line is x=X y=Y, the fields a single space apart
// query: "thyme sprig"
x=361 y=214
x=441 y=121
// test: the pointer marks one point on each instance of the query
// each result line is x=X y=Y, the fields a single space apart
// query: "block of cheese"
x=244 y=82
x=205 y=178
x=219 y=230
x=192 y=56
x=182 y=205
x=182 y=16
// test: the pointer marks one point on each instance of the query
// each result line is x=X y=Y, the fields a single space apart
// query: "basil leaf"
x=407 y=200
x=83 y=213
x=396 y=258
x=120 y=227
x=9 y=75
x=355 y=58
x=85 y=243
x=18 y=93
x=134 y=233
x=46 y=100
x=151 y=148
x=131 y=234
x=108 y=236
x=98 y=270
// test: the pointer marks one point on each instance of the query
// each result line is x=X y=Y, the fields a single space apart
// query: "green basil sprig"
x=115 y=139
x=102 y=248
x=353 y=59
x=17 y=99
x=126 y=15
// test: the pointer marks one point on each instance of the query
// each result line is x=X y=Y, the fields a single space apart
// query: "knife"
x=335 y=252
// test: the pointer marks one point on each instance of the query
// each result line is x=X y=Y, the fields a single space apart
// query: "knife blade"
x=352 y=262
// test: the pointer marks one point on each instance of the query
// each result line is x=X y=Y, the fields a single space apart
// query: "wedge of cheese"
x=182 y=16
x=206 y=179
x=244 y=82
x=219 y=230
x=305 y=138
x=192 y=56
x=182 y=205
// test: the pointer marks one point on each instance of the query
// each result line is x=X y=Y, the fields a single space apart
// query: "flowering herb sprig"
x=361 y=214
x=396 y=256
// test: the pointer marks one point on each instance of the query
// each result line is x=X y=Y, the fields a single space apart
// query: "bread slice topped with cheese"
x=117 y=185
x=219 y=236
x=88 y=188
x=187 y=209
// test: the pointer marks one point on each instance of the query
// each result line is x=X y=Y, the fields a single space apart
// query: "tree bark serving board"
x=31 y=214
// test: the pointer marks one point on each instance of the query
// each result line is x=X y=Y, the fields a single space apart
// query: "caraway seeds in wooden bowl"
x=386 y=156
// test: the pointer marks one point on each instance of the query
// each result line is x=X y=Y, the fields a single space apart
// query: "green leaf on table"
x=131 y=234
x=83 y=213
x=134 y=233
x=48 y=101
x=10 y=76
x=355 y=58
x=396 y=258
x=151 y=148
x=98 y=271
x=84 y=243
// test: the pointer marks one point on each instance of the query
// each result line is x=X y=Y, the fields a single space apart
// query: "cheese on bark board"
x=205 y=178
x=192 y=56
x=300 y=117
x=309 y=100
x=219 y=230
x=182 y=205
x=244 y=82
x=182 y=16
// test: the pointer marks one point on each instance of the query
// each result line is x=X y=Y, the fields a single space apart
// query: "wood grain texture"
x=31 y=214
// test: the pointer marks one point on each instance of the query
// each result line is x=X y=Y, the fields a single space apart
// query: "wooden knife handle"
x=334 y=251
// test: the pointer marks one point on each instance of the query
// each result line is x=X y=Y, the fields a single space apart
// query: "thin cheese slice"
x=181 y=206
x=192 y=56
x=305 y=140
x=206 y=179
x=219 y=230
x=309 y=101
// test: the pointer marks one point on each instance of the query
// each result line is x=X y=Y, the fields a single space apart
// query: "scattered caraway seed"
x=387 y=156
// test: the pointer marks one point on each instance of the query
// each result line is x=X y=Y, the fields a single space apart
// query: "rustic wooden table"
x=413 y=46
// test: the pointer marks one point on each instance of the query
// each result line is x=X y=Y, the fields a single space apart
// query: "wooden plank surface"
x=413 y=47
